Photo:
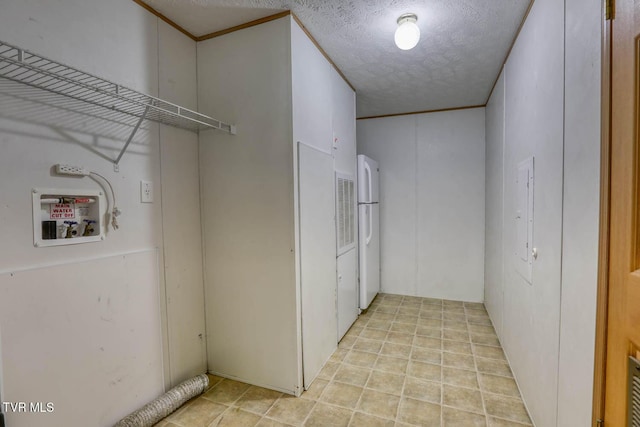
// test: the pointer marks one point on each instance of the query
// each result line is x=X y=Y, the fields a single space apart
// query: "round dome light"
x=408 y=33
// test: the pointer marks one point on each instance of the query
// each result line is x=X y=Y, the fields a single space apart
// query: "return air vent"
x=634 y=392
x=345 y=206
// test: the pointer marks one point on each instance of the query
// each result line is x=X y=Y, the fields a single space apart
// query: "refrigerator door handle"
x=367 y=169
x=369 y=212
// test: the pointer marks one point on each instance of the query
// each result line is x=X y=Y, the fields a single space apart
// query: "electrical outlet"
x=146 y=192
x=71 y=170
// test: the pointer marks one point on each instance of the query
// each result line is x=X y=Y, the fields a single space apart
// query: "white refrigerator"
x=368 y=230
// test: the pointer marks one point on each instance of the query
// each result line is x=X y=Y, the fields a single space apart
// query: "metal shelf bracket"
x=116 y=164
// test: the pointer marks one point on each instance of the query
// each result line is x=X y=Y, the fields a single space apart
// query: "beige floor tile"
x=373 y=334
x=226 y=392
x=379 y=404
x=364 y=420
x=200 y=413
x=457 y=316
x=481 y=329
x=409 y=310
x=345 y=395
x=473 y=305
x=457 y=360
x=462 y=398
x=389 y=309
x=325 y=415
x=384 y=315
x=235 y=417
x=347 y=342
x=266 y=422
x=433 y=343
x=498 y=385
x=419 y=413
x=406 y=361
x=459 y=377
x=386 y=382
x=480 y=320
x=360 y=358
x=429 y=391
x=379 y=324
x=403 y=318
x=428 y=322
x=396 y=350
x=400 y=338
x=339 y=355
x=315 y=390
x=506 y=408
x=452 y=303
x=455 y=335
x=476 y=312
x=425 y=371
x=493 y=366
x=426 y=355
x=329 y=369
x=352 y=375
x=484 y=339
x=290 y=409
x=258 y=399
x=364 y=344
x=489 y=352
x=456 y=347
x=403 y=327
x=213 y=381
x=430 y=314
x=455 y=324
x=426 y=310
x=433 y=301
x=456 y=418
x=391 y=364
x=497 y=422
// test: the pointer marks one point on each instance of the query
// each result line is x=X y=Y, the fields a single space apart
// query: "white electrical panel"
x=67 y=217
x=524 y=251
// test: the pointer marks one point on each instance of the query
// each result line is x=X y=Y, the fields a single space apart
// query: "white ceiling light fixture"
x=408 y=33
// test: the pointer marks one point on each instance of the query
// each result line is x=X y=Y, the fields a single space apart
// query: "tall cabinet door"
x=317 y=268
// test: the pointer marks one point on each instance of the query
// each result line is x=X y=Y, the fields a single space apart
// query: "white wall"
x=431 y=201
x=97 y=304
x=181 y=224
x=547 y=103
x=583 y=41
x=248 y=209
x=494 y=209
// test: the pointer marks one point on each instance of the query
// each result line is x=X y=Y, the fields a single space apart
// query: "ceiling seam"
x=165 y=19
x=248 y=25
x=467 y=107
x=243 y=26
x=506 y=58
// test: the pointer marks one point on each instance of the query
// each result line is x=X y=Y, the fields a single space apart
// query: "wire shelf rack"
x=35 y=78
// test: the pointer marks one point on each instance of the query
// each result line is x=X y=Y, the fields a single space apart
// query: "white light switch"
x=146 y=192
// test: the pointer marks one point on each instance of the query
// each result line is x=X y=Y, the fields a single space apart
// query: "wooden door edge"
x=604 y=230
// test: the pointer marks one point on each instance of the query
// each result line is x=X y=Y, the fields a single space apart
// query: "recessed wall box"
x=524 y=251
x=67 y=216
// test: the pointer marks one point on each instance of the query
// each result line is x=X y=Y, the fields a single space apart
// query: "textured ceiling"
x=462 y=45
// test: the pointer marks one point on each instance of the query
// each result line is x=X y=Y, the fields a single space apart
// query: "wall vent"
x=634 y=392
x=345 y=212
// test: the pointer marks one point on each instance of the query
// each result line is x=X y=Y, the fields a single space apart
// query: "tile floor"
x=407 y=361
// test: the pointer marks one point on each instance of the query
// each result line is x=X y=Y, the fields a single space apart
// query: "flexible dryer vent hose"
x=160 y=408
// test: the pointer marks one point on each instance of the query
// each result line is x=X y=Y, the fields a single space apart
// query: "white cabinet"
x=268 y=208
